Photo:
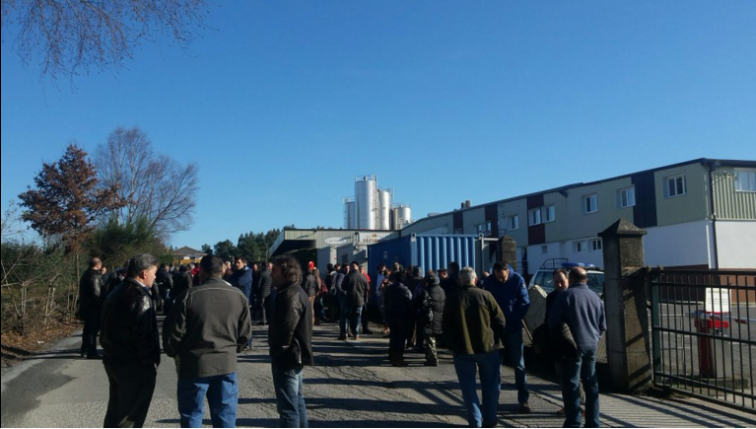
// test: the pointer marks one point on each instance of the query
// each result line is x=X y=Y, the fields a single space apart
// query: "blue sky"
x=282 y=104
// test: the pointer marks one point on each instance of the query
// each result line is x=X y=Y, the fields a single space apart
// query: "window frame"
x=550 y=209
x=629 y=192
x=751 y=179
x=537 y=212
x=587 y=198
x=677 y=193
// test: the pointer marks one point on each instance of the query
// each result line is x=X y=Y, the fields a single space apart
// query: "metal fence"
x=702 y=327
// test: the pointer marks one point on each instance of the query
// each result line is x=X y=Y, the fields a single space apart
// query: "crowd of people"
x=210 y=308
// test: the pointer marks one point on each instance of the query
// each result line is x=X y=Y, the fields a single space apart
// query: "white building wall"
x=682 y=244
x=736 y=244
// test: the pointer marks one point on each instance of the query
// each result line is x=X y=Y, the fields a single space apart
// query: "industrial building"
x=698 y=214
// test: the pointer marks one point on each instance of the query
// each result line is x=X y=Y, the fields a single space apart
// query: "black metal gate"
x=703 y=325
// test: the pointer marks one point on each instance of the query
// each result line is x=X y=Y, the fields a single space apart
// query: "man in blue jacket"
x=511 y=293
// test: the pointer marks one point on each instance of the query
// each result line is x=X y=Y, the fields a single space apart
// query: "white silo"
x=401 y=216
x=383 y=219
x=365 y=189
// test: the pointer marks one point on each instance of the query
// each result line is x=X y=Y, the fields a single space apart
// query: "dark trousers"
x=365 y=318
x=91 y=329
x=397 y=338
x=131 y=389
x=266 y=309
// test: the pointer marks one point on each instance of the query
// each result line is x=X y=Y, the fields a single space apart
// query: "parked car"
x=544 y=276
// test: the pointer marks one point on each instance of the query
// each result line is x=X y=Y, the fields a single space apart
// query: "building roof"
x=187 y=251
x=713 y=162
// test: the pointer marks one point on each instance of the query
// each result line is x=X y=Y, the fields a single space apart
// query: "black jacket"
x=290 y=333
x=181 y=281
x=207 y=326
x=90 y=290
x=266 y=284
x=165 y=278
x=129 y=326
x=437 y=300
x=310 y=285
x=355 y=285
x=397 y=301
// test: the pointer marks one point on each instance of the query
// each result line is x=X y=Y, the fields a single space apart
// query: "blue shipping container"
x=430 y=252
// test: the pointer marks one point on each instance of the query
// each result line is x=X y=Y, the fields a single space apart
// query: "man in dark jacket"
x=511 y=293
x=397 y=300
x=264 y=292
x=290 y=339
x=355 y=286
x=165 y=280
x=241 y=278
x=90 y=307
x=131 y=344
x=472 y=324
x=583 y=311
x=181 y=281
x=207 y=327
x=430 y=315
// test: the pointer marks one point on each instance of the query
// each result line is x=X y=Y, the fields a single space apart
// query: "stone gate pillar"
x=625 y=305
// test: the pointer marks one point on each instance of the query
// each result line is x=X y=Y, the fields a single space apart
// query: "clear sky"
x=282 y=104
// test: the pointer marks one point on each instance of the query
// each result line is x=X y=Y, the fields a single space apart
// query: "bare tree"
x=72 y=36
x=153 y=186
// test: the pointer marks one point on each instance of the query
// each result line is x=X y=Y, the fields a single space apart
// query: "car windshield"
x=596 y=282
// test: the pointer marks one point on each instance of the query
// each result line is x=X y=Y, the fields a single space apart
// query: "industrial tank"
x=365 y=196
x=401 y=216
x=384 y=210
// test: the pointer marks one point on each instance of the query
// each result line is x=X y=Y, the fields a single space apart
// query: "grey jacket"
x=206 y=328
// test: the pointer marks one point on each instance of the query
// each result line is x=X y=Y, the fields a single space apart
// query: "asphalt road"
x=352 y=385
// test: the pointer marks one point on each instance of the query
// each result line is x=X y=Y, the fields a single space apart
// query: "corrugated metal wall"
x=728 y=203
x=431 y=252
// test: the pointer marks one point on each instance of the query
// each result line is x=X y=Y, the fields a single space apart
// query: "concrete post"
x=625 y=305
x=508 y=251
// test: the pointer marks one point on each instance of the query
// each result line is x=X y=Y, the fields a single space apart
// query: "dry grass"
x=16 y=347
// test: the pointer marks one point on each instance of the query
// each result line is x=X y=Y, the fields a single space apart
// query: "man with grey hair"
x=472 y=323
x=131 y=343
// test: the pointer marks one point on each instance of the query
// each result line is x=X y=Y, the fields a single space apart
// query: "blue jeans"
x=516 y=350
x=343 y=314
x=572 y=372
x=290 y=398
x=489 y=365
x=355 y=319
x=222 y=393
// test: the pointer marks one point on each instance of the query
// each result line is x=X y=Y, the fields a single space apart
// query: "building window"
x=590 y=203
x=484 y=228
x=626 y=197
x=534 y=217
x=579 y=246
x=544 y=250
x=596 y=244
x=549 y=214
x=675 y=186
x=745 y=180
x=513 y=222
